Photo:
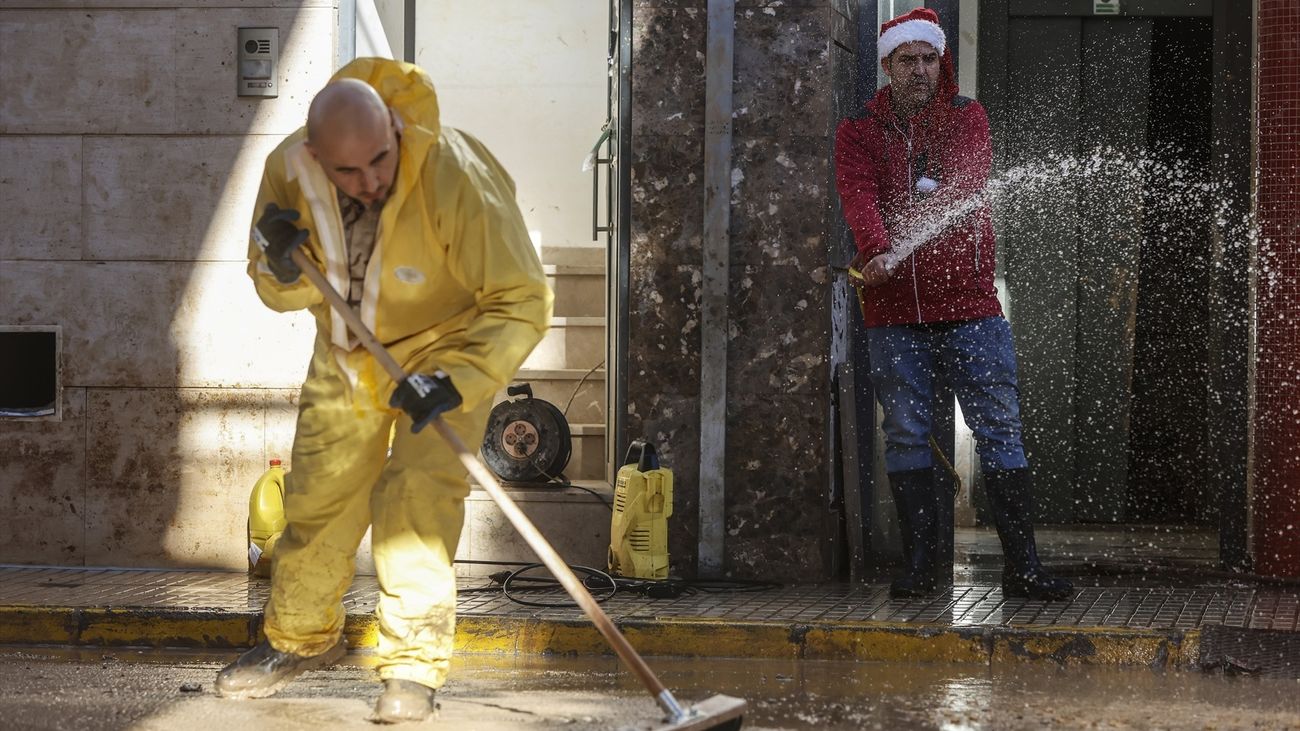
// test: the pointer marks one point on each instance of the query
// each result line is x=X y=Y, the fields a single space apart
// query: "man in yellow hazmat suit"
x=417 y=226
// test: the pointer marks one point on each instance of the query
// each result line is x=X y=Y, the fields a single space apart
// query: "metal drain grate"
x=1239 y=650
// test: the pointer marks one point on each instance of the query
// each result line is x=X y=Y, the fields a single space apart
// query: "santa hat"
x=921 y=24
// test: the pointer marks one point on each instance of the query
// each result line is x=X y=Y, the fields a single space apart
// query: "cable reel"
x=527 y=439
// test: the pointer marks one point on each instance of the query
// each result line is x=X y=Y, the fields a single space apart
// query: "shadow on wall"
x=129 y=230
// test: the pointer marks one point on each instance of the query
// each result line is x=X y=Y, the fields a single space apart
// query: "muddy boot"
x=404 y=700
x=918 y=522
x=263 y=670
x=1022 y=573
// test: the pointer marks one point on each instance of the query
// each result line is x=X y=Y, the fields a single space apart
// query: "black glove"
x=278 y=237
x=424 y=397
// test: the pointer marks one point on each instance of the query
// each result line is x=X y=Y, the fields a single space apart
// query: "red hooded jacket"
x=878 y=163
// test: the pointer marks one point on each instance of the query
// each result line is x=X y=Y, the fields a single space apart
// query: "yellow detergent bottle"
x=643 y=502
x=265 y=519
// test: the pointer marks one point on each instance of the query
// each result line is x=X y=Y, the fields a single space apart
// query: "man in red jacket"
x=911 y=174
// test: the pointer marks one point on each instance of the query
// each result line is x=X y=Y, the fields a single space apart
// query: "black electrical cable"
x=603 y=586
x=561 y=481
x=546 y=584
x=578 y=388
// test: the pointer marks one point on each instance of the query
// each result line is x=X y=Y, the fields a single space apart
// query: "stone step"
x=572 y=342
x=579 y=289
x=575 y=522
x=591 y=255
x=585 y=398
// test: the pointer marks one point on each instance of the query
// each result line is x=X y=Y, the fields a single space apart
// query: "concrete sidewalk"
x=1157 y=627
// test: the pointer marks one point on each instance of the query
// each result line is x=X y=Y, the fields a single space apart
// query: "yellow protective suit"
x=454 y=284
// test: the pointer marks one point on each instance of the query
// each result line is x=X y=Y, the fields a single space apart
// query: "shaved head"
x=354 y=136
x=344 y=107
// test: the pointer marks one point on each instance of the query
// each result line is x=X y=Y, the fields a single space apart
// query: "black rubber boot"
x=1022 y=573
x=404 y=701
x=918 y=522
x=263 y=670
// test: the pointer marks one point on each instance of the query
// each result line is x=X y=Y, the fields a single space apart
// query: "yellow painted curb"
x=1092 y=646
x=38 y=625
x=889 y=642
x=682 y=637
x=27 y=625
x=121 y=627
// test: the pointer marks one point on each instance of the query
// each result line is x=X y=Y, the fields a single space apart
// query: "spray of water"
x=1035 y=188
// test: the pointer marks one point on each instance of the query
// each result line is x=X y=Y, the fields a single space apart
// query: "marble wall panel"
x=40 y=185
x=156 y=324
x=666 y=327
x=42 y=487
x=668 y=41
x=778 y=381
x=667 y=222
x=781 y=70
x=780 y=202
x=668 y=196
x=188 y=198
x=780 y=331
x=760 y=5
x=777 y=467
x=169 y=473
x=73 y=72
x=642 y=5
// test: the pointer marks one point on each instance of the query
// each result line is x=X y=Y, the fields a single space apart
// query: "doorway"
x=1108 y=266
x=544 y=84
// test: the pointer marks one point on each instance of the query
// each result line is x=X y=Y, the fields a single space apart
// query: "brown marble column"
x=778 y=458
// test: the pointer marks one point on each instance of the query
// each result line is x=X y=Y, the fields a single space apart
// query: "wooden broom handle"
x=488 y=482
x=350 y=316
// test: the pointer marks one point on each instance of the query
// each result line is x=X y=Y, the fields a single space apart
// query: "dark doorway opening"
x=1171 y=358
x=1116 y=277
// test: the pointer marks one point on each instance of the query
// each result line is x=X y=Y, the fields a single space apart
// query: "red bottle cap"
x=275 y=463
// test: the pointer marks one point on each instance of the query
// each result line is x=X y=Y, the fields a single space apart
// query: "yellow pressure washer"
x=265 y=519
x=643 y=502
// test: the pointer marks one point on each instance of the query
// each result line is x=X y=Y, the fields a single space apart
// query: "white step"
x=579 y=289
x=574 y=522
x=571 y=342
x=585 y=398
x=588 y=459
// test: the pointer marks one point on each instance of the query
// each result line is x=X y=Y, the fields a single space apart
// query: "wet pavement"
x=93 y=690
x=1144 y=598
x=1123 y=653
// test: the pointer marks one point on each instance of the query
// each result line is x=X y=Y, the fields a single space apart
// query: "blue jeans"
x=978 y=359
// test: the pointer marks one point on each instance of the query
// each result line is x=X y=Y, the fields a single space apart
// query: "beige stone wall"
x=128 y=168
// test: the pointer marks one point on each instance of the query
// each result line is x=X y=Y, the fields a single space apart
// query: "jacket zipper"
x=916 y=287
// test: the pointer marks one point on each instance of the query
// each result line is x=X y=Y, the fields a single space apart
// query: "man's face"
x=913 y=70
x=363 y=162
